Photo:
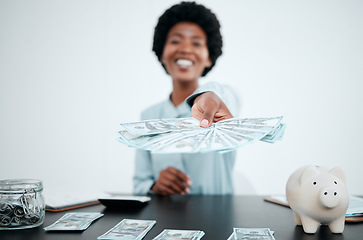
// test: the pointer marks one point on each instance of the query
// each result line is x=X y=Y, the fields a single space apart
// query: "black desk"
x=215 y=215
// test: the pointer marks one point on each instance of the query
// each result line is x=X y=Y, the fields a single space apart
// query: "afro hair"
x=189 y=12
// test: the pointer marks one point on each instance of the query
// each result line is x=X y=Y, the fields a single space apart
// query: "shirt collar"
x=180 y=111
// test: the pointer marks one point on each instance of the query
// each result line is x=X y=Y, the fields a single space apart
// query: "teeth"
x=184 y=62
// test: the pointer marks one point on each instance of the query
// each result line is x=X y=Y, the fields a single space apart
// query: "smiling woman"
x=187 y=42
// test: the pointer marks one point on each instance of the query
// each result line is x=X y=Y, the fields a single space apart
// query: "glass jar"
x=21 y=203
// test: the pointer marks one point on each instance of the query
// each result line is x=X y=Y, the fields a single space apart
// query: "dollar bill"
x=172 y=234
x=251 y=122
x=185 y=135
x=128 y=229
x=157 y=126
x=74 y=221
x=275 y=134
x=253 y=233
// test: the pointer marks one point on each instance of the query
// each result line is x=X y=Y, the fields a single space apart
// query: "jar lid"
x=20 y=185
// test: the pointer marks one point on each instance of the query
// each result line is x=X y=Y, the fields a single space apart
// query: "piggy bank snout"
x=329 y=197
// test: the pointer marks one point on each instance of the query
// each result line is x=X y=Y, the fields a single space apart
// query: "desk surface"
x=215 y=215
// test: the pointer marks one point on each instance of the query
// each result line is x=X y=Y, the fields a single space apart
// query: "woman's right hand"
x=172 y=181
x=208 y=108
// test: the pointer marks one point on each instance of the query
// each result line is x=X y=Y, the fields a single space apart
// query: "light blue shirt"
x=210 y=173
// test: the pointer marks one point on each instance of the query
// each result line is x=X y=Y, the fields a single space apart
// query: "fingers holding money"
x=209 y=108
x=172 y=181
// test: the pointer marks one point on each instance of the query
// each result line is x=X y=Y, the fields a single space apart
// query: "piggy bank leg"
x=309 y=224
x=297 y=218
x=337 y=226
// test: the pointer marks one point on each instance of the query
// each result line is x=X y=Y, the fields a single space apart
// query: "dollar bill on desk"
x=172 y=234
x=74 y=221
x=251 y=233
x=128 y=229
x=185 y=135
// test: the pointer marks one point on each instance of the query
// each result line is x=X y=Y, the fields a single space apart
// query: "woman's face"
x=185 y=54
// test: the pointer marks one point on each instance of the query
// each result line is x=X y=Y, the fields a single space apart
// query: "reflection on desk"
x=215 y=215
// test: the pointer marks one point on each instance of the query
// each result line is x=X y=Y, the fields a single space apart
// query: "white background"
x=71 y=71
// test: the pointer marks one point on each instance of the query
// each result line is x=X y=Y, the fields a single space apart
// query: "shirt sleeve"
x=228 y=95
x=143 y=177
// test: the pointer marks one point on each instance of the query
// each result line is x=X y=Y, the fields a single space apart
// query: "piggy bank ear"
x=338 y=172
x=308 y=173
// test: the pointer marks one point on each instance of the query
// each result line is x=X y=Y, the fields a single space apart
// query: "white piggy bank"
x=317 y=196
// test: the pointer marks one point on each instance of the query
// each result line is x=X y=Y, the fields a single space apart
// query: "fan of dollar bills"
x=184 y=135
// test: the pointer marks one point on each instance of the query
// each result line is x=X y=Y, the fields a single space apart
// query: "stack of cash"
x=251 y=233
x=171 y=234
x=74 y=221
x=128 y=229
x=184 y=135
